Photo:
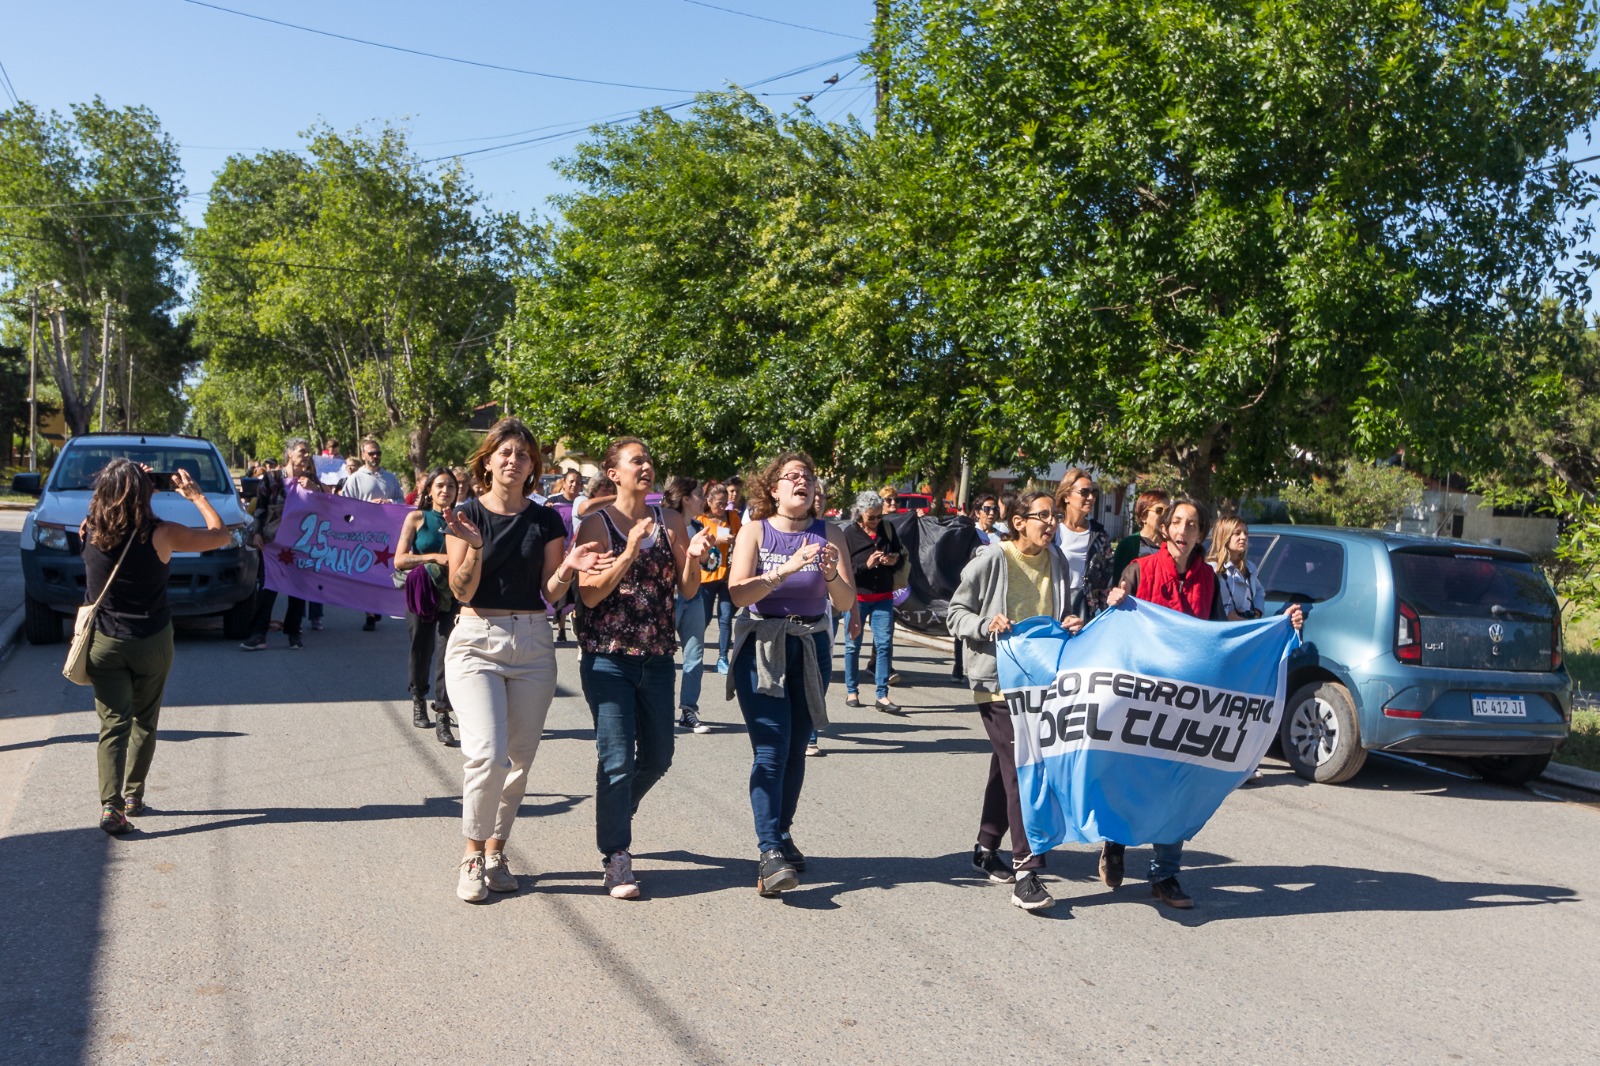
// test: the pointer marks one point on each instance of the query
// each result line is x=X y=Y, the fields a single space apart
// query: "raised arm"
x=172 y=537
x=465 y=549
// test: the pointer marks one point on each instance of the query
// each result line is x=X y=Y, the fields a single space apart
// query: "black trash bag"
x=939 y=546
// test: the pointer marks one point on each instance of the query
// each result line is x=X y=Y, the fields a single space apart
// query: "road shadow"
x=1224 y=890
x=54 y=886
x=163 y=736
x=826 y=877
x=534 y=805
x=894 y=735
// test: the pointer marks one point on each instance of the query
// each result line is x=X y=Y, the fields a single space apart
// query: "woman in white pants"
x=506 y=559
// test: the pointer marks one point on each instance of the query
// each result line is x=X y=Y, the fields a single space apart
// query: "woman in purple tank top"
x=785 y=571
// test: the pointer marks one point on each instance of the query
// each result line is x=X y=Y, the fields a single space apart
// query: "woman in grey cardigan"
x=1020 y=577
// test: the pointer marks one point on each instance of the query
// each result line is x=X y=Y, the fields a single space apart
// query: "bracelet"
x=564 y=580
x=771 y=579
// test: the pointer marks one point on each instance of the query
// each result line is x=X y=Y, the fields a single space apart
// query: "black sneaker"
x=447 y=738
x=796 y=857
x=774 y=874
x=990 y=865
x=295 y=643
x=1111 y=864
x=1168 y=891
x=371 y=623
x=1030 y=894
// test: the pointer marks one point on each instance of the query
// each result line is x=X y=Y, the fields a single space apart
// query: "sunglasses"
x=989 y=510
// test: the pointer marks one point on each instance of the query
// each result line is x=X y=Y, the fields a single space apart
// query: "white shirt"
x=1241 y=592
x=1075 y=546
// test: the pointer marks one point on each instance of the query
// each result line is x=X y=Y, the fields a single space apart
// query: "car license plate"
x=1499 y=707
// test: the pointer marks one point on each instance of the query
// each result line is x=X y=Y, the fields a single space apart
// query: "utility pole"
x=105 y=352
x=127 y=364
x=33 y=384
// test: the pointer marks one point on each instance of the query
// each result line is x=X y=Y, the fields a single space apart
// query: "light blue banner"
x=1137 y=729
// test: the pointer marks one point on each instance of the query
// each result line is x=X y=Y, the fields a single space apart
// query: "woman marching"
x=1021 y=577
x=1177 y=577
x=874 y=550
x=1148 y=511
x=127 y=552
x=724 y=526
x=684 y=495
x=505 y=559
x=628 y=639
x=422 y=548
x=1241 y=591
x=1084 y=542
x=786 y=570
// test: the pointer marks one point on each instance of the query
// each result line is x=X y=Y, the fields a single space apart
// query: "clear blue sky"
x=224 y=84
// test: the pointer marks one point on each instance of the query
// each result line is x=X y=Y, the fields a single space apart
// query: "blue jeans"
x=778 y=726
x=1165 y=861
x=716 y=593
x=880 y=615
x=691 y=619
x=630 y=698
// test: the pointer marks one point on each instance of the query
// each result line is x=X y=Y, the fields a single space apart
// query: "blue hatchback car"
x=1415 y=645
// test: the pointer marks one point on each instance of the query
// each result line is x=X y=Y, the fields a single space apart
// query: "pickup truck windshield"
x=79 y=463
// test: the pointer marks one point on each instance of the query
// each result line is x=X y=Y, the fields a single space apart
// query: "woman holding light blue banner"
x=1020 y=577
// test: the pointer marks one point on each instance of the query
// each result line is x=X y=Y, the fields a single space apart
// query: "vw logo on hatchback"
x=1497 y=632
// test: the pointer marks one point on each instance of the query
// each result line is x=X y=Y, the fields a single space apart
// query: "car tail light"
x=1400 y=712
x=1407 y=634
x=1557 y=654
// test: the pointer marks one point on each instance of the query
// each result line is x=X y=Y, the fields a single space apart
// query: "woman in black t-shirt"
x=131 y=652
x=507 y=557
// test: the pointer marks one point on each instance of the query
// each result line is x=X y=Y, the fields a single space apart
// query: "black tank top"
x=136 y=606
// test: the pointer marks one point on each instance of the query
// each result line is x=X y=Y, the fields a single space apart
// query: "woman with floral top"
x=628 y=637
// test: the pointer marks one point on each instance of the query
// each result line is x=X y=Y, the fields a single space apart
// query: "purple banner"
x=338 y=551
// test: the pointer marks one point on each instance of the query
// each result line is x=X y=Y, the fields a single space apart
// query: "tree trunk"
x=421 y=437
x=311 y=418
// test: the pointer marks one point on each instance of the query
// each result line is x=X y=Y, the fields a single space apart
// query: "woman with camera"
x=127 y=552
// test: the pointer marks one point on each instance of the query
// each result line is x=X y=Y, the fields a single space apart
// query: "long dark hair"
x=678 y=489
x=120 y=505
x=425 y=492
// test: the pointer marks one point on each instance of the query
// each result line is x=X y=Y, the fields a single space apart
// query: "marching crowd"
x=487 y=563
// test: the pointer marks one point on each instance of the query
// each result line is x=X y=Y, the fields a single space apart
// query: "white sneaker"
x=497 y=874
x=470 y=886
x=619 y=881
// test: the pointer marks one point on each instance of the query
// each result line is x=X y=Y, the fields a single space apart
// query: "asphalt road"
x=293 y=901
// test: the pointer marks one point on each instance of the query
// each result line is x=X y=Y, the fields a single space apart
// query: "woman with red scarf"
x=1180 y=578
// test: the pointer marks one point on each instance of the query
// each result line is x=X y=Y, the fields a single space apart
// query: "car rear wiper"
x=1516 y=612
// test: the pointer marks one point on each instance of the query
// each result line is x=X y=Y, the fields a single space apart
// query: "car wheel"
x=40 y=624
x=236 y=619
x=1511 y=769
x=1320 y=736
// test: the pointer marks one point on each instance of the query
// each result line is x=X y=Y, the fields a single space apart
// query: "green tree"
x=356 y=272
x=1226 y=232
x=91 y=202
x=1363 y=495
x=732 y=283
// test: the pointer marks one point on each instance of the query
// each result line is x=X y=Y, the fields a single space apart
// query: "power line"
x=776 y=22
x=11 y=90
x=633 y=116
x=434 y=55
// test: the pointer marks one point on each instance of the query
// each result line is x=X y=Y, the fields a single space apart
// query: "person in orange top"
x=724 y=526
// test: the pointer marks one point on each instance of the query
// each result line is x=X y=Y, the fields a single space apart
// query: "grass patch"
x=1582 y=641
x=1582 y=748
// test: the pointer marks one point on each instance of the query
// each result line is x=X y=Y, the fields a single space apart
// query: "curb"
x=18 y=505
x=1571 y=776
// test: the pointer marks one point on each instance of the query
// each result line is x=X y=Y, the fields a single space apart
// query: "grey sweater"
x=981 y=596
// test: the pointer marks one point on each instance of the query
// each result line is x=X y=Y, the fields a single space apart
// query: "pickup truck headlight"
x=239 y=536
x=49 y=536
